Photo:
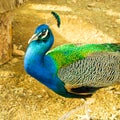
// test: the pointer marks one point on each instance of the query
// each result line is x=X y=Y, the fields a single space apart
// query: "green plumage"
x=66 y=54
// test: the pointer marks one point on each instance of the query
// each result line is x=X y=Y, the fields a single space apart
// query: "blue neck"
x=41 y=66
x=35 y=58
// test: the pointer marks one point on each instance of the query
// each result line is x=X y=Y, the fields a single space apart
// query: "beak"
x=34 y=37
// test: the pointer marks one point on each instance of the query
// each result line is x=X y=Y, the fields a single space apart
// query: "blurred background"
x=82 y=21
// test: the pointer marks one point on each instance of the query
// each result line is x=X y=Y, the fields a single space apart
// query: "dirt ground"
x=86 y=21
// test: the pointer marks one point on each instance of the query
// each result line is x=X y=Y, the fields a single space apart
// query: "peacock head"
x=42 y=34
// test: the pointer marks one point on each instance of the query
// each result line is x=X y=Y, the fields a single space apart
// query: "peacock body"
x=71 y=70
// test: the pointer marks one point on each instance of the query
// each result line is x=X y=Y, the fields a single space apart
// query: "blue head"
x=39 y=44
x=43 y=37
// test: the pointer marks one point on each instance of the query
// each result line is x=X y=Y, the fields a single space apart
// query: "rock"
x=6 y=18
x=14 y=60
x=5 y=37
x=15 y=47
x=17 y=52
x=91 y=5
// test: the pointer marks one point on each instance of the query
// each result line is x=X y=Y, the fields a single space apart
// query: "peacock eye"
x=43 y=34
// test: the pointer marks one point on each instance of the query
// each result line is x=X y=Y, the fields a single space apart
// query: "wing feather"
x=96 y=71
x=86 y=68
x=65 y=55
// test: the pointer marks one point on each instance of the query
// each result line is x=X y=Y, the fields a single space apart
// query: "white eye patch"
x=44 y=35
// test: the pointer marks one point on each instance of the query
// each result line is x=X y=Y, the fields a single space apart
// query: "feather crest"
x=57 y=18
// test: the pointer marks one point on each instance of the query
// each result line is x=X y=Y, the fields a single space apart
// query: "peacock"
x=71 y=70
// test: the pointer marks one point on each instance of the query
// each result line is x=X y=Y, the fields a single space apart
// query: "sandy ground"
x=86 y=21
